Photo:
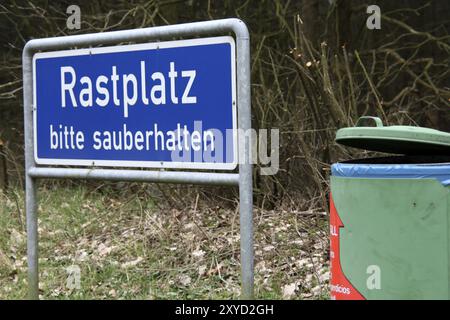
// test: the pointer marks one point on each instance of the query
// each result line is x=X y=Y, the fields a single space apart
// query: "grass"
x=129 y=247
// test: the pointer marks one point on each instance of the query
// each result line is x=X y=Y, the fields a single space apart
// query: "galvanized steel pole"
x=30 y=182
x=245 y=167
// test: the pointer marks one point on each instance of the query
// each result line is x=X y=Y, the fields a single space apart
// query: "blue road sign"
x=159 y=105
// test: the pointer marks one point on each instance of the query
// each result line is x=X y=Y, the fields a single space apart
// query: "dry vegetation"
x=129 y=248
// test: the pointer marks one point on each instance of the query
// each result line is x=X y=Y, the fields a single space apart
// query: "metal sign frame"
x=242 y=179
x=152 y=46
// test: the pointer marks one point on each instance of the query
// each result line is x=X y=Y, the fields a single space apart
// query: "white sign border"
x=142 y=164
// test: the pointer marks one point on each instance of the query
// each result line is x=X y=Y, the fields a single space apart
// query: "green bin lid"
x=408 y=140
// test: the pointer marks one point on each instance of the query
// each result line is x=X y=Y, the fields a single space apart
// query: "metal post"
x=244 y=178
x=30 y=187
x=245 y=167
x=32 y=238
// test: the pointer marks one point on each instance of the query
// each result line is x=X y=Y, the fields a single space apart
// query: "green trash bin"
x=390 y=216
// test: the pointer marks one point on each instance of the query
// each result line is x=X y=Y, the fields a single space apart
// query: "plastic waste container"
x=390 y=216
